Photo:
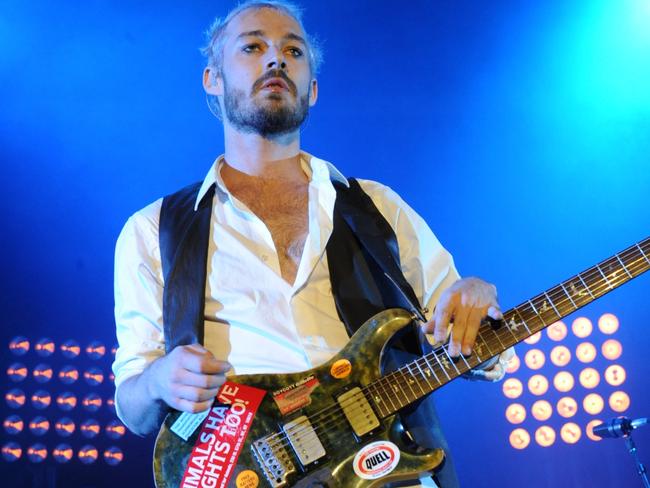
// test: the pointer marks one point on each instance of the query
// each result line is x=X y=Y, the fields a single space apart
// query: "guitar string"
x=339 y=407
x=336 y=413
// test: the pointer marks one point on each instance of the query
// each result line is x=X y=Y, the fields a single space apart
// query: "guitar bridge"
x=273 y=459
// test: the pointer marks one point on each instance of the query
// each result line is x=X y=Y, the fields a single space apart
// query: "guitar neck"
x=418 y=378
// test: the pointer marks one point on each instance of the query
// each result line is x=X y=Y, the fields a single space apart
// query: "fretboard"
x=418 y=378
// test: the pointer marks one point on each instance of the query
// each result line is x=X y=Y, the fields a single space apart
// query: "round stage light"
x=538 y=384
x=534 y=339
x=110 y=404
x=114 y=350
x=96 y=350
x=66 y=401
x=582 y=327
x=586 y=352
x=560 y=356
x=90 y=428
x=513 y=364
x=563 y=381
x=115 y=429
x=37 y=453
x=15 y=398
x=39 y=426
x=545 y=436
x=570 y=433
x=567 y=407
x=11 y=452
x=542 y=410
x=589 y=378
x=534 y=359
x=44 y=347
x=612 y=349
x=519 y=438
x=615 y=375
x=41 y=399
x=556 y=331
x=512 y=388
x=88 y=454
x=113 y=456
x=68 y=375
x=589 y=429
x=70 y=349
x=619 y=401
x=593 y=403
x=42 y=373
x=608 y=323
x=94 y=376
x=515 y=413
x=65 y=427
x=92 y=402
x=19 y=346
x=62 y=453
x=17 y=372
x=13 y=425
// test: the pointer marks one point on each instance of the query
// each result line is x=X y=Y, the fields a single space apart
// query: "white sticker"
x=187 y=423
x=375 y=460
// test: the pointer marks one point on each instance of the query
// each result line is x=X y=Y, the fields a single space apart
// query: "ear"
x=212 y=82
x=313 y=92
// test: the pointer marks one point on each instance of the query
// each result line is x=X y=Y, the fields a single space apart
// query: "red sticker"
x=222 y=436
x=295 y=396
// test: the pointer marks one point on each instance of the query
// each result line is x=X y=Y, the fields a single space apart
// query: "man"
x=269 y=305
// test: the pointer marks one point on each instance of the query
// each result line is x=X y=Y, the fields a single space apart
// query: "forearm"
x=140 y=410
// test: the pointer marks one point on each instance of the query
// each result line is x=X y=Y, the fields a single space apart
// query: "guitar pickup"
x=358 y=411
x=304 y=440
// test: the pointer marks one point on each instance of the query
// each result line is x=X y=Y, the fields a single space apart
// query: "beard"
x=272 y=118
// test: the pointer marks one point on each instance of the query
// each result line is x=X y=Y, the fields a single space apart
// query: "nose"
x=276 y=59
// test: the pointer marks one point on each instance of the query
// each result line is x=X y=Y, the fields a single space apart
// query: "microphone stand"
x=631 y=447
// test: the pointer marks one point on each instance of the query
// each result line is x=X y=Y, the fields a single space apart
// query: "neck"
x=254 y=155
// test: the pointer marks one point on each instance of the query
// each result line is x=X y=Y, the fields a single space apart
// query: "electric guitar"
x=336 y=425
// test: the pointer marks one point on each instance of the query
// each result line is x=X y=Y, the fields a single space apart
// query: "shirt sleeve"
x=138 y=296
x=426 y=265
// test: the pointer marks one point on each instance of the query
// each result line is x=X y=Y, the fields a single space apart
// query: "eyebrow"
x=260 y=33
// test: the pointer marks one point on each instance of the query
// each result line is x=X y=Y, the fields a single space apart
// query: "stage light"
x=110 y=404
x=15 y=398
x=612 y=349
x=589 y=378
x=534 y=339
x=65 y=427
x=615 y=375
x=586 y=352
x=557 y=331
x=13 y=425
x=567 y=407
x=589 y=429
x=88 y=454
x=516 y=413
x=570 y=433
x=512 y=388
x=42 y=373
x=114 y=350
x=563 y=381
x=115 y=429
x=62 y=453
x=92 y=402
x=538 y=384
x=90 y=428
x=113 y=456
x=39 y=426
x=519 y=438
x=11 y=452
x=44 y=347
x=37 y=453
x=19 y=346
x=66 y=401
x=560 y=356
x=17 y=372
x=94 y=376
x=70 y=349
x=545 y=436
x=582 y=327
x=608 y=323
x=41 y=399
x=534 y=359
x=619 y=401
x=68 y=375
x=593 y=403
x=95 y=350
x=542 y=410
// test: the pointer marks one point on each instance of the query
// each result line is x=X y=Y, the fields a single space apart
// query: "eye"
x=251 y=48
x=295 y=52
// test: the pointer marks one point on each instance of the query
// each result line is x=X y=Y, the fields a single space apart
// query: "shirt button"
x=265 y=258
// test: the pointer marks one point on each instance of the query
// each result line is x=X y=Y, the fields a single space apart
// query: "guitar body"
x=313 y=419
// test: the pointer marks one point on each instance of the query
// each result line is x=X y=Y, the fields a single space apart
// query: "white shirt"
x=254 y=319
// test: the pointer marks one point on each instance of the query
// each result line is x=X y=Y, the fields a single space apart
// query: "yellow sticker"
x=341 y=369
x=247 y=479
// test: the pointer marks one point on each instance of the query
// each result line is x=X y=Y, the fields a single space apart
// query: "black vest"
x=361 y=252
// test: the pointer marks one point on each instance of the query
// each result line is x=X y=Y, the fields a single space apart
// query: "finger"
x=195 y=394
x=189 y=406
x=473 y=324
x=441 y=324
x=428 y=327
x=197 y=361
x=458 y=331
x=495 y=313
x=208 y=381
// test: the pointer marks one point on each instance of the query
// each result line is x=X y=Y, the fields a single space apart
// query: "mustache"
x=274 y=73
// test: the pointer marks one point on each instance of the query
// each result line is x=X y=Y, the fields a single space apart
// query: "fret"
x=513 y=326
x=537 y=313
x=450 y=361
x=604 y=277
x=377 y=400
x=417 y=363
x=575 y=307
x=623 y=266
x=586 y=287
x=409 y=382
x=431 y=368
x=483 y=343
x=633 y=261
x=387 y=396
x=441 y=366
x=413 y=378
x=560 y=304
x=495 y=334
x=523 y=321
x=642 y=253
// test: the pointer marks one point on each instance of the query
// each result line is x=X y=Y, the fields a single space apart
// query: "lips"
x=278 y=83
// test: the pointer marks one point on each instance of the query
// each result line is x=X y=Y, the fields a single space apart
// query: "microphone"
x=619 y=427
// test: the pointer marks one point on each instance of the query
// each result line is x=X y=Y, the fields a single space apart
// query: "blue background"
x=519 y=130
